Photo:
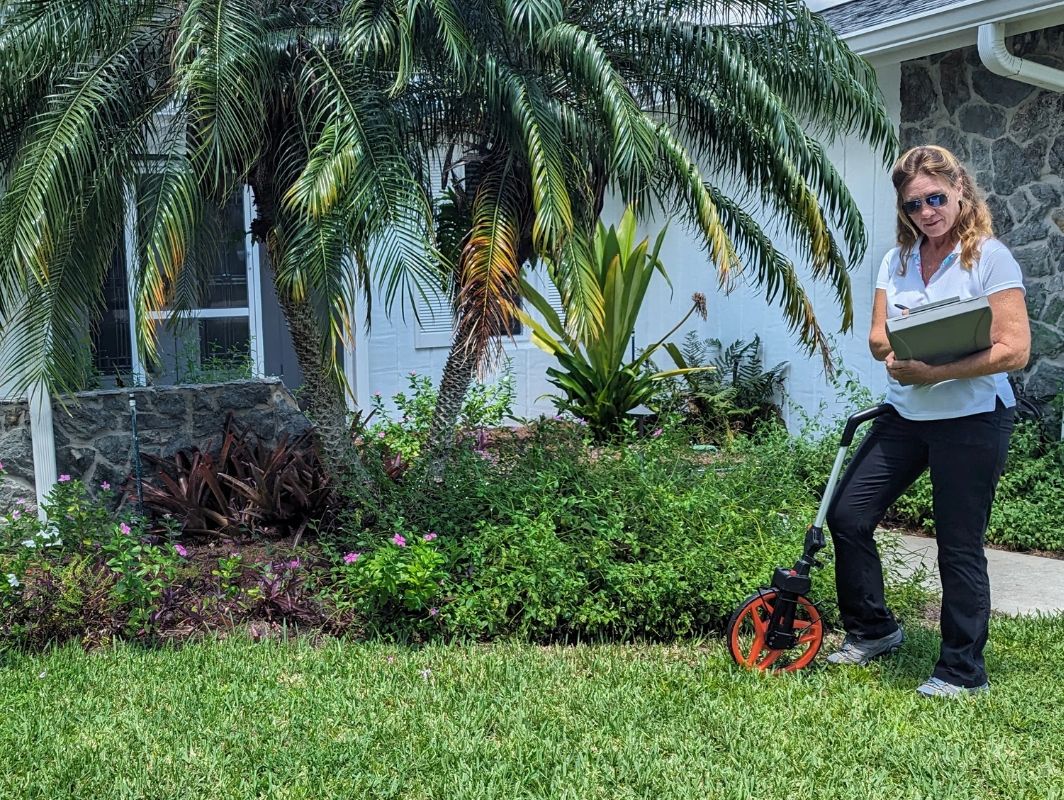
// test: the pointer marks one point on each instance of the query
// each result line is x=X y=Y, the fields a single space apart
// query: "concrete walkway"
x=1019 y=583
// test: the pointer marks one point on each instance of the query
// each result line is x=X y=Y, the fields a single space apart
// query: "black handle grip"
x=862 y=417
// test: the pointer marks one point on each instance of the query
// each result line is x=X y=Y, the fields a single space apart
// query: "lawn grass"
x=236 y=719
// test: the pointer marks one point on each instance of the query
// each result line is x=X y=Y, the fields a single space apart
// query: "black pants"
x=966 y=456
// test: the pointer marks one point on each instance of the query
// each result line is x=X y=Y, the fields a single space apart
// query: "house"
x=937 y=87
x=938 y=90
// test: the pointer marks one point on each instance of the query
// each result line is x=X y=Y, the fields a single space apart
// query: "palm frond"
x=218 y=65
x=490 y=269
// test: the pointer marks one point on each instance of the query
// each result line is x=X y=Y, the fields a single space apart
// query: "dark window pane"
x=227 y=285
x=225 y=346
x=111 y=351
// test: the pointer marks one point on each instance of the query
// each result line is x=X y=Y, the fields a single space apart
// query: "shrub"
x=244 y=487
x=734 y=396
x=484 y=406
x=546 y=536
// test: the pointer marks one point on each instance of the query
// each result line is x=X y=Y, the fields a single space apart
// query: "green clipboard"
x=941 y=332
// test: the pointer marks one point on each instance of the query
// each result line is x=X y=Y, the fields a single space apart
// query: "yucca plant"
x=599 y=385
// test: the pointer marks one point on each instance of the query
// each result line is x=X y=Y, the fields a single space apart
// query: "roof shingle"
x=858 y=15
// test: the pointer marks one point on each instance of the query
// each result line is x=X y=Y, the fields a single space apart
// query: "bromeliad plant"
x=599 y=386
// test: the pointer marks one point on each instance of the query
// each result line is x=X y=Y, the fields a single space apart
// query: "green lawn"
x=235 y=719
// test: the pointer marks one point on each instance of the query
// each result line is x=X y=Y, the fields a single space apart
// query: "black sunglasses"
x=933 y=200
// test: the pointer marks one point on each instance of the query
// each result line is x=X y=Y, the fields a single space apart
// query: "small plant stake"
x=138 y=474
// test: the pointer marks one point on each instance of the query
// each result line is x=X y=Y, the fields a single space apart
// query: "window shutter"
x=435 y=322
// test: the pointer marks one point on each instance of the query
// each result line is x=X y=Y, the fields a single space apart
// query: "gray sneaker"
x=936 y=687
x=855 y=650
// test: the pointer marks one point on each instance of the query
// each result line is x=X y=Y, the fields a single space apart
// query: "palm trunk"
x=457 y=375
x=325 y=402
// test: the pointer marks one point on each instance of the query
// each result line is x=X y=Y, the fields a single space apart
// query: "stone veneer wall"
x=92 y=434
x=1011 y=135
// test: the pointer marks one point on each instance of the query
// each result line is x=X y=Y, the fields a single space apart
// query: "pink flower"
x=1 y=464
x=433 y=611
x=351 y=558
x=294 y=564
x=657 y=433
x=428 y=537
x=398 y=540
x=180 y=550
x=380 y=435
x=125 y=529
x=105 y=486
x=16 y=514
x=64 y=478
x=20 y=501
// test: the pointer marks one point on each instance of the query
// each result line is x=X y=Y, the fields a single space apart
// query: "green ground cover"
x=237 y=719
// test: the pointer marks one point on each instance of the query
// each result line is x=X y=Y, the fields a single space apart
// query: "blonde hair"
x=973 y=223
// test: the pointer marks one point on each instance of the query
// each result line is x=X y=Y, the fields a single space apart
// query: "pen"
x=899 y=305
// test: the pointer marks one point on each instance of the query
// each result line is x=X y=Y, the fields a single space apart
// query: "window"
x=218 y=338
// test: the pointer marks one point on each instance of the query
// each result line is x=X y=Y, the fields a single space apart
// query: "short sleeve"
x=998 y=269
x=883 y=277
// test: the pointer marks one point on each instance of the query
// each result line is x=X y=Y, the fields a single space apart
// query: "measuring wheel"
x=748 y=630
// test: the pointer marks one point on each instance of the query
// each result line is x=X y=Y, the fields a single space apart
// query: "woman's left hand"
x=909 y=371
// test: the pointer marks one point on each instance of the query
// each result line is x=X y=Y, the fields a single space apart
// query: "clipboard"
x=943 y=331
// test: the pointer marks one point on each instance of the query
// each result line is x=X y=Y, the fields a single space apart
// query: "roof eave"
x=944 y=29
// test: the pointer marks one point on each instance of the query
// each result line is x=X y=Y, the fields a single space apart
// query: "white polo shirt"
x=996 y=270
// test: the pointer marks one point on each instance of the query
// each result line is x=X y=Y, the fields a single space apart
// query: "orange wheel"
x=749 y=623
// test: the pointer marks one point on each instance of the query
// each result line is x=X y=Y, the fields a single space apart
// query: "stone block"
x=1046 y=380
x=953 y=80
x=1047 y=198
x=918 y=89
x=1034 y=261
x=1012 y=169
x=997 y=90
x=954 y=141
x=999 y=213
x=1056 y=156
x=1041 y=115
x=171 y=403
x=1053 y=314
x=1025 y=234
x=1047 y=341
x=75 y=461
x=979 y=118
x=1037 y=298
x=979 y=150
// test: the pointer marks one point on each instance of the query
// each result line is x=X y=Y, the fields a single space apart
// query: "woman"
x=953 y=418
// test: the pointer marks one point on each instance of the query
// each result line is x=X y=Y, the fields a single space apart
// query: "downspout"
x=997 y=58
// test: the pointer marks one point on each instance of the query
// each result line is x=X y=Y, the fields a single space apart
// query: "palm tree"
x=176 y=104
x=557 y=103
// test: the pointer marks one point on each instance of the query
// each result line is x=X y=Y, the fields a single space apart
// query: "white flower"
x=12 y=580
x=29 y=543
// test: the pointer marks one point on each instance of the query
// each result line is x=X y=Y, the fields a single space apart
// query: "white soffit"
x=951 y=27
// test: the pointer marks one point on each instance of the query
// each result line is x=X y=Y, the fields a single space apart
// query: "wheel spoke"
x=761 y=623
x=769 y=659
x=755 y=650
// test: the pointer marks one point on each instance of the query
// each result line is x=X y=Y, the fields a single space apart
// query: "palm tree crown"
x=336 y=112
